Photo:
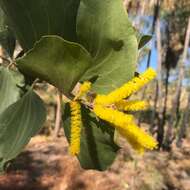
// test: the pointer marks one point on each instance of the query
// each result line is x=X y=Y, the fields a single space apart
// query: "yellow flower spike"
x=139 y=136
x=132 y=141
x=113 y=116
x=134 y=105
x=124 y=123
x=127 y=89
x=76 y=122
x=84 y=88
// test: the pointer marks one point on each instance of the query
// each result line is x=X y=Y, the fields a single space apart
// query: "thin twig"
x=58 y=119
x=34 y=83
x=5 y=59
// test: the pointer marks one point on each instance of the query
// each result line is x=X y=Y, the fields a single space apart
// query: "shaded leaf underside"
x=98 y=150
x=33 y=19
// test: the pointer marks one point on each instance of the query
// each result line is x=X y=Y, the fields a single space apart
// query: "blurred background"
x=45 y=163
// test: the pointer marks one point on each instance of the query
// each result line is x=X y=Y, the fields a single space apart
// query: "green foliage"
x=18 y=123
x=105 y=31
x=143 y=40
x=7 y=38
x=9 y=92
x=63 y=65
x=33 y=19
x=65 y=42
x=2 y=20
x=98 y=149
x=8 y=41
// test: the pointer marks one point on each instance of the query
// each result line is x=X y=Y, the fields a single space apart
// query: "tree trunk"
x=184 y=125
x=58 y=115
x=176 y=101
x=162 y=116
x=156 y=14
x=158 y=94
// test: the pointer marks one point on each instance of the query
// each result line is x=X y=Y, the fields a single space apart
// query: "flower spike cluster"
x=109 y=108
x=112 y=108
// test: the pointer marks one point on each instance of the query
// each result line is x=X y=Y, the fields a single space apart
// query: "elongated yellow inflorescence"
x=132 y=141
x=76 y=123
x=126 y=126
x=139 y=136
x=84 y=88
x=113 y=116
x=109 y=108
x=134 y=105
x=127 y=89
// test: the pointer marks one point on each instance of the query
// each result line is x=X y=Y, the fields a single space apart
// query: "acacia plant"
x=65 y=43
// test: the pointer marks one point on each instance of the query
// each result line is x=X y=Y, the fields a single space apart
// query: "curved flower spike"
x=125 y=125
x=132 y=141
x=138 y=138
x=113 y=116
x=127 y=89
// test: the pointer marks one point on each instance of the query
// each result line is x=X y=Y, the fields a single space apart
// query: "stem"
x=34 y=83
x=58 y=115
